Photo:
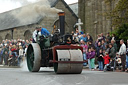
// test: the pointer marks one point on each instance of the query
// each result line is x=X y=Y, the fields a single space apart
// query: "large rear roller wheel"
x=33 y=57
x=72 y=55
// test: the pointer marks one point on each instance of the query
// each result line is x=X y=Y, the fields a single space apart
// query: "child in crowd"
x=91 y=58
x=88 y=57
x=85 y=47
x=118 y=60
x=106 y=58
x=100 y=60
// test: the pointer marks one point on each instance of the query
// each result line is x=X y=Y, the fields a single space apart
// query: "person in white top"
x=21 y=51
x=122 y=53
x=21 y=54
x=36 y=33
x=25 y=51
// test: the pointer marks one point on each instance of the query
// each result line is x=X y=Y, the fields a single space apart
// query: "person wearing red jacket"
x=106 y=58
x=13 y=48
x=14 y=55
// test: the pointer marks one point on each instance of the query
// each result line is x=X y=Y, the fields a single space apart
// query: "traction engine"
x=56 y=51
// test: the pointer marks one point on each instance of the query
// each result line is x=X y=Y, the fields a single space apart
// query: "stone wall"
x=4 y=33
x=81 y=12
x=92 y=14
x=17 y=32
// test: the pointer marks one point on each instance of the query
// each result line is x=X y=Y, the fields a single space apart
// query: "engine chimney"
x=62 y=22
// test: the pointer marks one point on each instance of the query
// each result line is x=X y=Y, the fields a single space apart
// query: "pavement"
x=47 y=76
x=84 y=67
x=6 y=66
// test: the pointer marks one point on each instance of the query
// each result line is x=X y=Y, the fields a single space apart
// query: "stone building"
x=92 y=12
x=12 y=28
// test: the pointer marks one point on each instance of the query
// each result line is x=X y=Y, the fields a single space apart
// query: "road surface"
x=46 y=76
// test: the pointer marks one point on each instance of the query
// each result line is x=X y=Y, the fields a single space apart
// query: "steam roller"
x=56 y=51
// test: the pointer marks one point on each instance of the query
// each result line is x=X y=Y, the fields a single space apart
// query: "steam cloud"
x=34 y=11
x=23 y=65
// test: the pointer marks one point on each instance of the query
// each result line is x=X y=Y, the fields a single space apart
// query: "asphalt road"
x=46 y=76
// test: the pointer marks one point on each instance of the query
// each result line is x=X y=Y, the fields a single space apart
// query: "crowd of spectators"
x=12 y=52
x=102 y=51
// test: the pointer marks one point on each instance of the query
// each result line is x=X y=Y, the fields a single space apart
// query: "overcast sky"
x=6 y=5
x=71 y=1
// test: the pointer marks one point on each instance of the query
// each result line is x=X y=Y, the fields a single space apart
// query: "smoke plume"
x=23 y=65
x=35 y=10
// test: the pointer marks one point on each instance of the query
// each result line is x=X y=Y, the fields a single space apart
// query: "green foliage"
x=122 y=32
x=119 y=14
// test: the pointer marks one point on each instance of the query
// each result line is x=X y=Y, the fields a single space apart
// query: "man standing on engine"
x=36 y=34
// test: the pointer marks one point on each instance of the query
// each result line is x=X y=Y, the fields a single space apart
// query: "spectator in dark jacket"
x=100 y=60
x=98 y=48
x=108 y=37
x=89 y=38
x=91 y=45
x=114 y=45
x=107 y=49
x=112 y=53
x=5 y=54
x=103 y=44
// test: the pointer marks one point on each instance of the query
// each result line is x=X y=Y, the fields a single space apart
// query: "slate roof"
x=74 y=7
x=8 y=20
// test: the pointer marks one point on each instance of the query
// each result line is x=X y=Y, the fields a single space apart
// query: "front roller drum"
x=69 y=55
x=33 y=57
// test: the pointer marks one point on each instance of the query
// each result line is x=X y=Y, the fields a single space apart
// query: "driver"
x=45 y=32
